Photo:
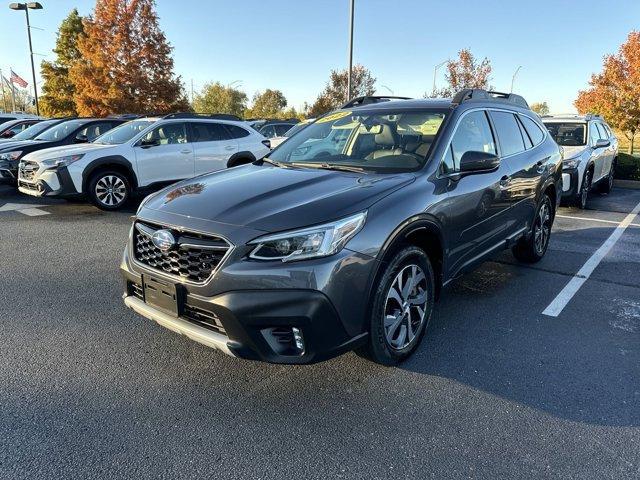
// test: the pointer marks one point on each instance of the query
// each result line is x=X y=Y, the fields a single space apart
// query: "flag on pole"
x=17 y=79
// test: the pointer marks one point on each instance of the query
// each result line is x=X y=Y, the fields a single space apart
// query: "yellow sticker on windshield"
x=334 y=116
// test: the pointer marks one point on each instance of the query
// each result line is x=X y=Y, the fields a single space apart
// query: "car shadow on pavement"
x=488 y=332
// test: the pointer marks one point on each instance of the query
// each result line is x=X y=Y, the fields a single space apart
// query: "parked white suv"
x=590 y=154
x=142 y=153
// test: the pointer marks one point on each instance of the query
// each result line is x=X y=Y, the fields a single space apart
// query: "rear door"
x=477 y=206
x=518 y=151
x=169 y=157
x=212 y=146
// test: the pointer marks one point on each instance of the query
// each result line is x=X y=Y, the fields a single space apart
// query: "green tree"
x=57 y=89
x=335 y=91
x=541 y=108
x=464 y=72
x=218 y=98
x=126 y=64
x=268 y=104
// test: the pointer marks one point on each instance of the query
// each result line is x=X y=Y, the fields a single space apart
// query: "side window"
x=508 y=133
x=533 y=129
x=472 y=134
x=208 y=132
x=603 y=131
x=607 y=130
x=268 y=131
x=18 y=128
x=594 y=134
x=236 y=132
x=95 y=130
x=281 y=129
x=168 y=134
x=525 y=136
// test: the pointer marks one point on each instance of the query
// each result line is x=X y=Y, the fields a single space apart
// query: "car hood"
x=63 y=150
x=17 y=145
x=270 y=199
x=571 y=152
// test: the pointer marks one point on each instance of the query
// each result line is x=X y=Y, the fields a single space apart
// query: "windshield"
x=33 y=130
x=123 y=133
x=60 y=131
x=568 y=134
x=368 y=140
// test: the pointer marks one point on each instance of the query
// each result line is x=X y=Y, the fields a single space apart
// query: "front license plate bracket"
x=161 y=294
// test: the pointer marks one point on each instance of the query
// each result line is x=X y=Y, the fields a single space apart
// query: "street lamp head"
x=34 y=5
x=18 y=6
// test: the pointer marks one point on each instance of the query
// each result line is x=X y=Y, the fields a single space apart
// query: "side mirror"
x=80 y=139
x=474 y=161
x=602 y=143
x=150 y=142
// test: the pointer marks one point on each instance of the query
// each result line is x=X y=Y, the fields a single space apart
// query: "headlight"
x=62 y=161
x=571 y=163
x=10 y=155
x=312 y=242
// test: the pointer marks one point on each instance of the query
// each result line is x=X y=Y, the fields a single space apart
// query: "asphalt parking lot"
x=497 y=389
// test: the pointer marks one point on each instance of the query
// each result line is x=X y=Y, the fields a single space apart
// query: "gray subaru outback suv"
x=297 y=258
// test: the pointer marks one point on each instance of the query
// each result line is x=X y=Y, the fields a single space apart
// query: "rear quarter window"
x=533 y=130
x=236 y=132
x=508 y=132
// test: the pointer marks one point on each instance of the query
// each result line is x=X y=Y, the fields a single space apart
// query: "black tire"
x=109 y=190
x=379 y=348
x=585 y=188
x=532 y=248
x=606 y=184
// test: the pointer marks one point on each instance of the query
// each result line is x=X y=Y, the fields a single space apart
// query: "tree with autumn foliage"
x=335 y=91
x=541 y=108
x=126 y=64
x=464 y=72
x=614 y=93
x=58 y=90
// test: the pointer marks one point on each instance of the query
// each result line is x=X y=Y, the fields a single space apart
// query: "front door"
x=477 y=205
x=164 y=155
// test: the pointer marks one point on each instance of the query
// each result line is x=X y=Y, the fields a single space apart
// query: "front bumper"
x=8 y=171
x=48 y=183
x=570 y=180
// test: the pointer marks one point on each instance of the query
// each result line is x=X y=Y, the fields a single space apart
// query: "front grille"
x=193 y=257
x=28 y=170
x=203 y=317
x=29 y=186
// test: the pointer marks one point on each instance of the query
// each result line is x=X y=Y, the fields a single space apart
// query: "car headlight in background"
x=312 y=242
x=10 y=155
x=571 y=163
x=62 y=161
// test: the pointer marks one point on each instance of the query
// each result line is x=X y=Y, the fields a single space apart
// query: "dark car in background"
x=61 y=132
x=349 y=250
x=271 y=128
x=13 y=127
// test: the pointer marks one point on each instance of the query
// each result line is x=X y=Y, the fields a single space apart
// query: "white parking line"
x=566 y=294
x=596 y=220
x=24 y=208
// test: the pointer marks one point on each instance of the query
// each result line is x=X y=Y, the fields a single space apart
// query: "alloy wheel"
x=405 y=307
x=586 y=186
x=110 y=190
x=542 y=228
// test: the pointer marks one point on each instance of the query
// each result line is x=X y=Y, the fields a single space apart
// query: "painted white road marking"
x=566 y=294
x=596 y=220
x=24 y=208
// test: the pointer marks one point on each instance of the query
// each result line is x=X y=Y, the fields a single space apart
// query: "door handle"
x=504 y=182
x=230 y=148
x=185 y=151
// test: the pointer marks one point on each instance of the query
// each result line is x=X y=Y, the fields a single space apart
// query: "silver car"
x=590 y=153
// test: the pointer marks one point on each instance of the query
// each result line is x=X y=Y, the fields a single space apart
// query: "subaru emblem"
x=163 y=239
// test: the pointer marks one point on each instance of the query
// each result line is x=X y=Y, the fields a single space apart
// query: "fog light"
x=297 y=336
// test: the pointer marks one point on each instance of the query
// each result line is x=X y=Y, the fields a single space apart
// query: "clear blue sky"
x=291 y=45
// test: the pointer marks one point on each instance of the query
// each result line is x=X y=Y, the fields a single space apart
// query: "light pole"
x=349 y=80
x=26 y=7
x=513 y=79
x=435 y=71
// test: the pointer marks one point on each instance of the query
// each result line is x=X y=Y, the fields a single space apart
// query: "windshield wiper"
x=332 y=166
x=272 y=162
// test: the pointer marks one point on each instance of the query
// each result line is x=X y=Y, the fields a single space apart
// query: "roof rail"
x=124 y=116
x=217 y=116
x=368 y=99
x=480 y=94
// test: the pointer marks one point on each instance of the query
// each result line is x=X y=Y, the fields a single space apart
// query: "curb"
x=633 y=184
